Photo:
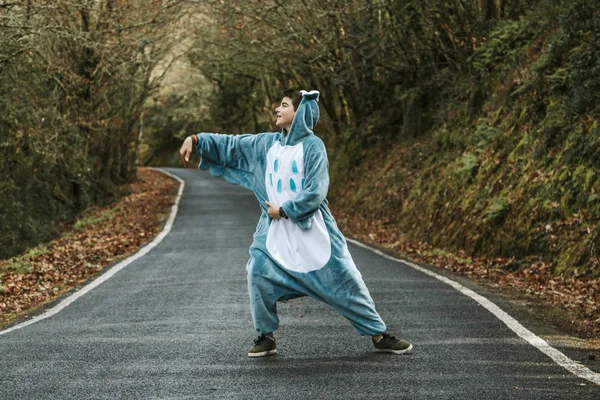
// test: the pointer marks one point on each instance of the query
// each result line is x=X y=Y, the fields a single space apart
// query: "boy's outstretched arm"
x=237 y=158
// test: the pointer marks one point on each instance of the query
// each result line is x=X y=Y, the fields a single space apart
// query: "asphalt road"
x=175 y=324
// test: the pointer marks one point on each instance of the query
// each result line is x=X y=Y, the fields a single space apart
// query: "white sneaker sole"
x=263 y=353
x=405 y=351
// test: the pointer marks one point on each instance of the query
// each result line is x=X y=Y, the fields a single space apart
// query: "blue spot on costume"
x=305 y=255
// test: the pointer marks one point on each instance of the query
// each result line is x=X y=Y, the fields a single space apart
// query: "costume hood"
x=305 y=119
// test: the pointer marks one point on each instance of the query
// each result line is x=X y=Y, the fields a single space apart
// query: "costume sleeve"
x=233 y=157
x=316 y=184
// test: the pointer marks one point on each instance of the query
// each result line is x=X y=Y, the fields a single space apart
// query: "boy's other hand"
x=273 y=211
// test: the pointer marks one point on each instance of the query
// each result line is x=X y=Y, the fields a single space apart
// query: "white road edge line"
x=112 y=271
x=536 y=341
x=558 y=357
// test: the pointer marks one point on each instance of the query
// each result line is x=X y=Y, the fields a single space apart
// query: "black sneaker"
x=263 y=346
x=390 y=344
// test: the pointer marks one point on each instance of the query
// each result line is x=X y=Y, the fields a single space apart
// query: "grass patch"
x=96 y=219
x=21 y=264
x=445 y=254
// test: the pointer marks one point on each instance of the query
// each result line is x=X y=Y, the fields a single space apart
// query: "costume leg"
x=267 y=284
x=346 y=291
x=263 y=304
x=359 y=309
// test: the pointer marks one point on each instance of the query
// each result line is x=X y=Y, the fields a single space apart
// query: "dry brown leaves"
x=64 y=263
x=577 y=297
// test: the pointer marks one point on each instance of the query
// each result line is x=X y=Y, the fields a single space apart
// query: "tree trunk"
x=138 y=141
x=490 y=9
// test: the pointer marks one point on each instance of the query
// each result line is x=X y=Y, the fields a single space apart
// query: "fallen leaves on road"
x=101 y=236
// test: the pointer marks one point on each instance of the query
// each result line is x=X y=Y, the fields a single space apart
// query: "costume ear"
x=313 y=94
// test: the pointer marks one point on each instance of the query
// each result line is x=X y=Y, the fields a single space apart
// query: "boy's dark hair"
x=295 y=96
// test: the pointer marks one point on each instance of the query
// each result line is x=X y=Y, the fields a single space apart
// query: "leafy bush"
x=497 y=209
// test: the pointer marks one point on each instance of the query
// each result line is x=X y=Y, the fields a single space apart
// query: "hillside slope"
x=518 y=178
x=509 y=176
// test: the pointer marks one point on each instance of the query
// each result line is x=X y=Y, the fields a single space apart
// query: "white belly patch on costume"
x=294 y=248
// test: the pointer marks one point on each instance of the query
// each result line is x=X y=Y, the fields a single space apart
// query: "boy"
x=297 y=249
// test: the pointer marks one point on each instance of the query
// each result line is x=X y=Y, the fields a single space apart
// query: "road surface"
x=175 y=324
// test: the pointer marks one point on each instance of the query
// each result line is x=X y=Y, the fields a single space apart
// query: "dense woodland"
x=74 y=76
x=470 y=124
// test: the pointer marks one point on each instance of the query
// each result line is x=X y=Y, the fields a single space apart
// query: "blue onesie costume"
x=305 y=255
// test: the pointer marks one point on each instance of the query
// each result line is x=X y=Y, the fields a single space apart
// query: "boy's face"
x=285 y=114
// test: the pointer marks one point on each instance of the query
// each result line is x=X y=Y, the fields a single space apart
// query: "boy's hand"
x=273 y=211
x=186 y=151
